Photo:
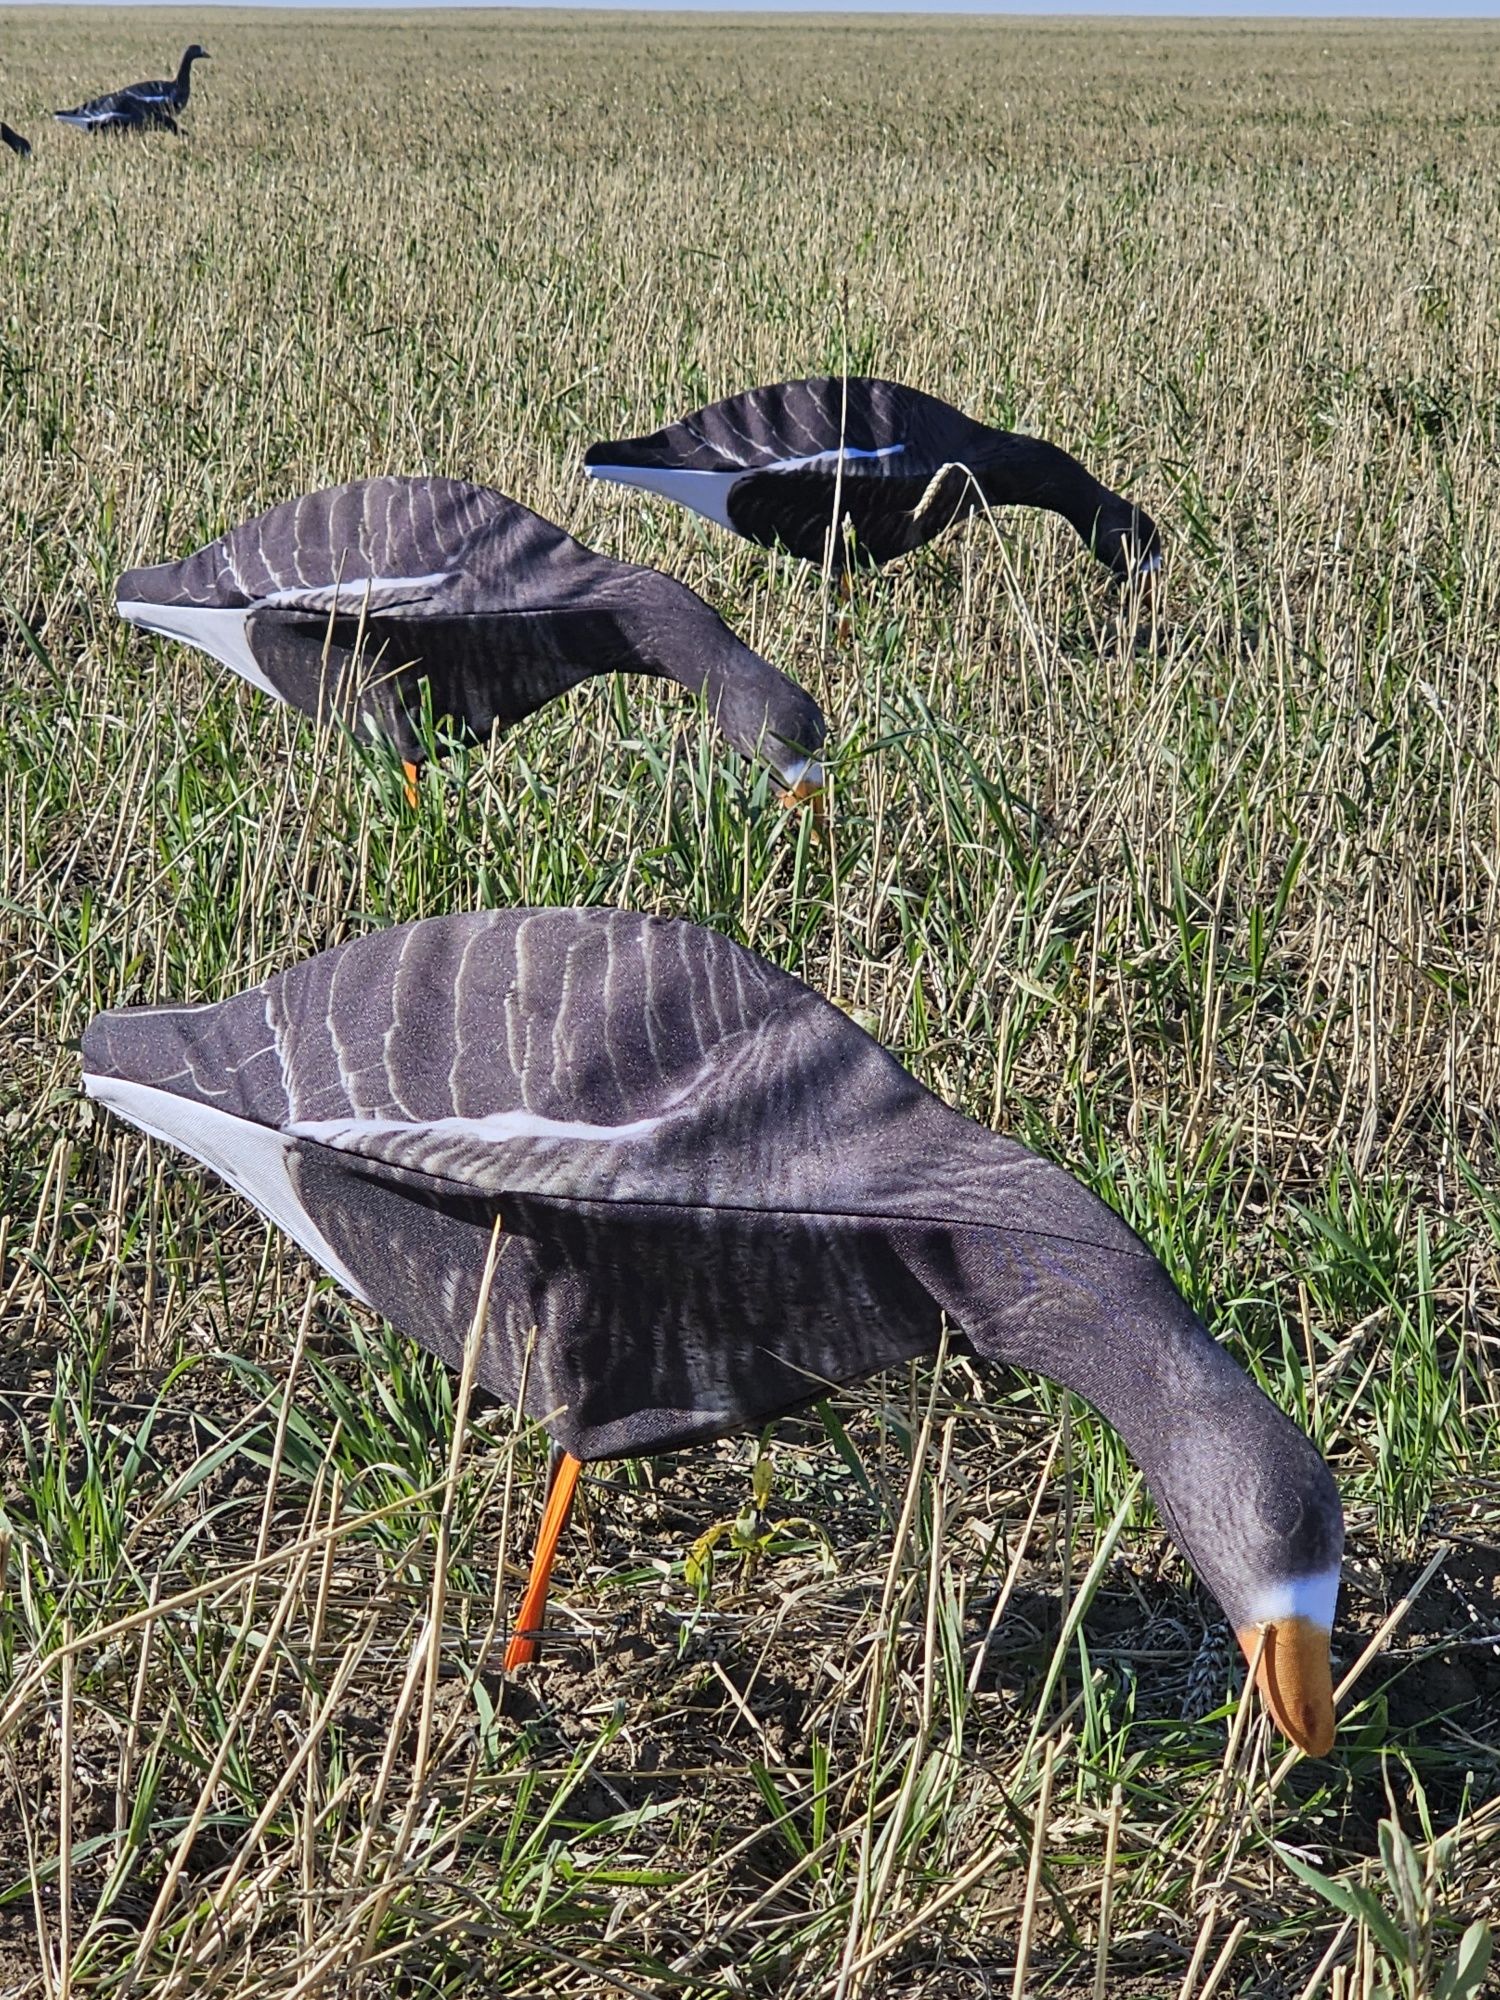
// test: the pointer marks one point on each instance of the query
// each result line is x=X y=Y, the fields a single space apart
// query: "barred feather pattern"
x=718 y=1198
x=139 y=106
x=862 y=467
x=355 y=595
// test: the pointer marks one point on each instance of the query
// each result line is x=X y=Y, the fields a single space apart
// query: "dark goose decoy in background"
x=719 y=1196
x=774 y=464
x=139 y=106
x=342 y=602
x=14 y=140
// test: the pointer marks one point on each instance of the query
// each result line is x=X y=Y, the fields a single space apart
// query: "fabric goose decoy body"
x=717 y=1197
x=343 y=602
x=139 y=106
x=787 y=462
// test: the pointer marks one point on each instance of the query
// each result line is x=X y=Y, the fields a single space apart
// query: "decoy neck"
x=1241 y=1489
x=1020 y=471
x=185 y=70
x=766 y=716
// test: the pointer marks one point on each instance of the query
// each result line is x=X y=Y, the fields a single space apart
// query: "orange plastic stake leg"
x=413 y=776
x=523 y=1647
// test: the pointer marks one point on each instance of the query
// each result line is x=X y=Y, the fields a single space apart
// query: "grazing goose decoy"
x=718 y=1197
x=14 y=140
x=791 y=462
x=139 y=106
x=343 y=602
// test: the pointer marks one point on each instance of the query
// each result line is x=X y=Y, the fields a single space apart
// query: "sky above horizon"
x=1310 y=10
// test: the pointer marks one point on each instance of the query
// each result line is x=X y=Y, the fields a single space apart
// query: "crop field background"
x=1198 y=897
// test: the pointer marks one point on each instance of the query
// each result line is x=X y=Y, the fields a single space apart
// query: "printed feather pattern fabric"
x=894 y=464
x=718 y=1195
x=355 y=595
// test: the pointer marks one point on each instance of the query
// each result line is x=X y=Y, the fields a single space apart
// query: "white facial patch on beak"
x=1314 y=1598
x=801 y=776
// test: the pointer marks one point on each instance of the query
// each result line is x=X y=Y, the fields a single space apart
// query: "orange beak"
x=1296 y=1678
x=800 y=793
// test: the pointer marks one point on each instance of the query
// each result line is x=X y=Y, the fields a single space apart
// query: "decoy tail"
x=18 y=145
x=524 y=1646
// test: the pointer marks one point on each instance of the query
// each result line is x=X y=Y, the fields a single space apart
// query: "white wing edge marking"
x=251 y=1157
x=352 y=593
x=493 y=1130
x=1310 y=1597
x=830 y=458
x=219 y=633
x=707 y=493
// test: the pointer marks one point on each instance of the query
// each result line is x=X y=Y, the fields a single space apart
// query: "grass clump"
x=1204 y=905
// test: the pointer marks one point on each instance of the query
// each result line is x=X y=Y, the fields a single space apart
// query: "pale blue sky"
x=1323 y=10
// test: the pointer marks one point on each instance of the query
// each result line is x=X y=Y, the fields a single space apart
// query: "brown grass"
x=1205 y=907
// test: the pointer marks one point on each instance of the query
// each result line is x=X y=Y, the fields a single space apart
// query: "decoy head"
x=1126 y=540
x=1067 y=1289
x=765 y=715
x=782 y=727
x=1256 y=1511
x=195 y=54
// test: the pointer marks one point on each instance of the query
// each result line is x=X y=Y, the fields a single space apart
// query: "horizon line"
x=1434 y=13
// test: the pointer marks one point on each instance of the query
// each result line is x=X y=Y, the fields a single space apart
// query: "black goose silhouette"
x=790 y=462
x=343 y=602
x=14 y=140
x=139 y=106
x=718 y=1196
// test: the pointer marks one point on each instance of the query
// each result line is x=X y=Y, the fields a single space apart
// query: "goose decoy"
x=343 y=602
x=14 y=140
x=794 y=461
x=139 y=106
x=718 y=1198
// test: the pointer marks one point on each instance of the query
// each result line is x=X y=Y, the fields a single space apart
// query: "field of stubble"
x=1206 y=908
